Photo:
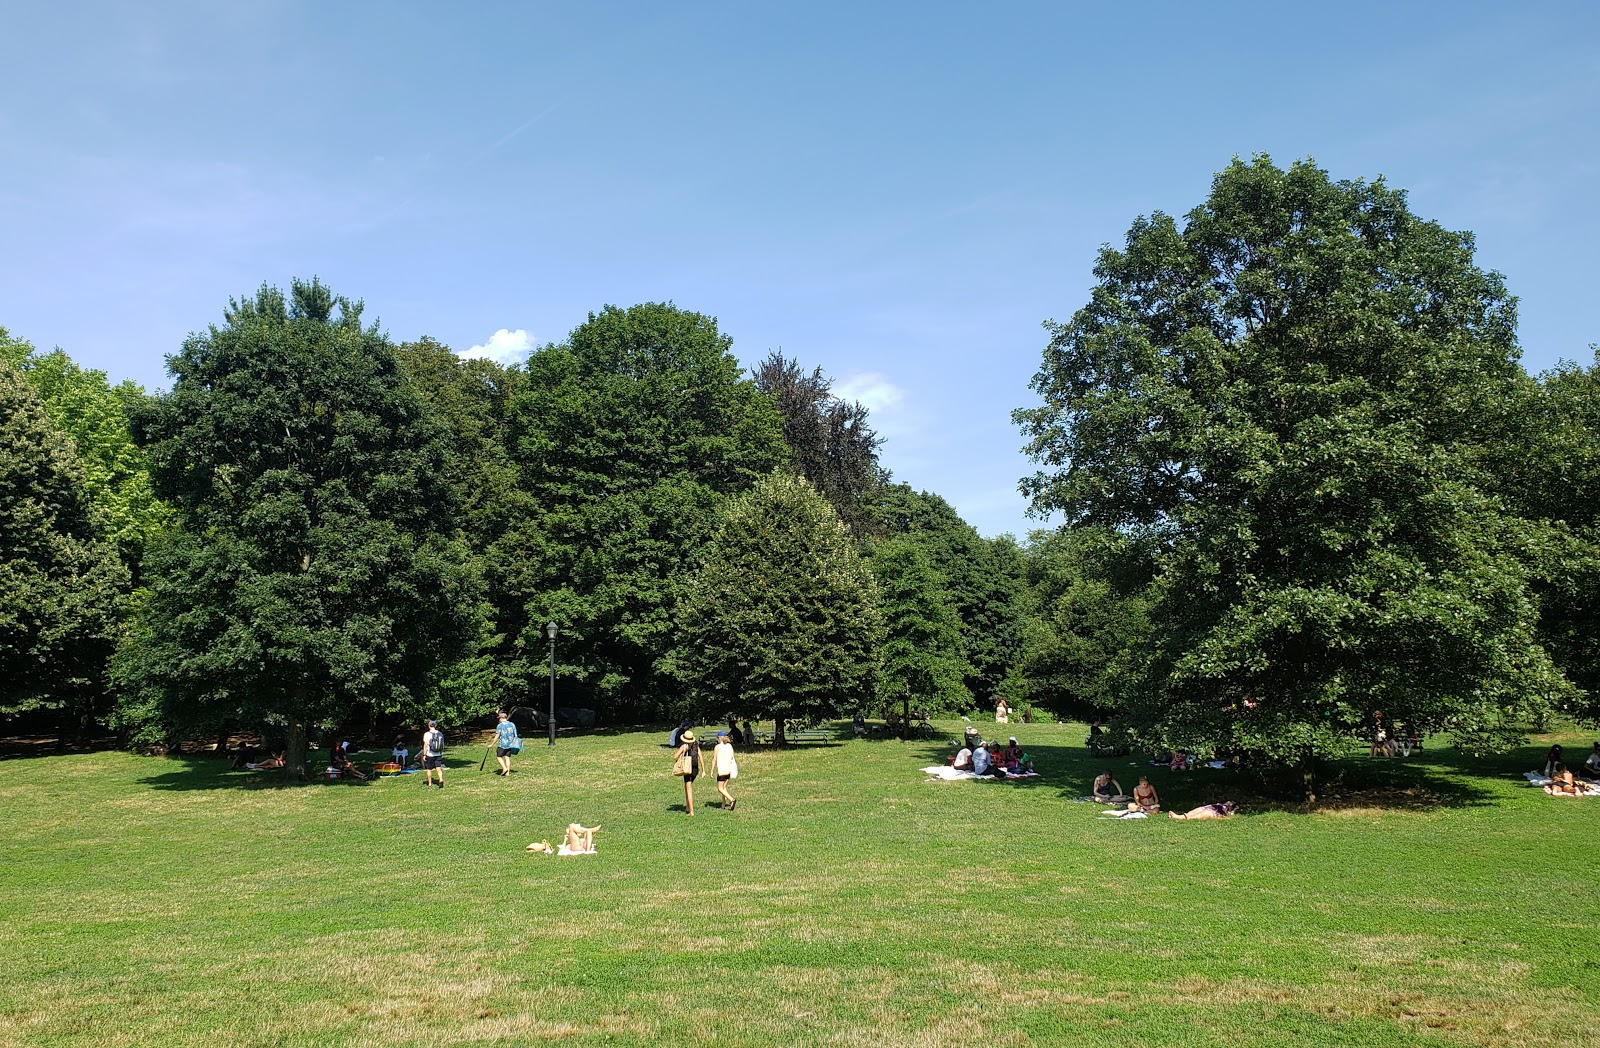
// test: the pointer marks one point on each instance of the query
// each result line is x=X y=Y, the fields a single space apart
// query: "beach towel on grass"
x=564 y=850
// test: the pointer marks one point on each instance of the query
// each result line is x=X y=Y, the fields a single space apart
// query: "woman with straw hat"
x=686 y=762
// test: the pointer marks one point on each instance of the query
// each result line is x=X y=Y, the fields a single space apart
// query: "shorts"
x=501 y=751
x=690 y=776
x=430 y=762
x=724 y=778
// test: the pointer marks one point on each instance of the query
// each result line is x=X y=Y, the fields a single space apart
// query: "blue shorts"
x=430 y=762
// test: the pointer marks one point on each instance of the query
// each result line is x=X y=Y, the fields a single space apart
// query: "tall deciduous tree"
x=1284 y=394
x=830 y=442
x=1089 y=594
x=62 y=588
x=782 y=618
x=315 y=565
x=472 y=398
x=922 y=661
x=94 y=414
x=983 y=578
x=1549 y=470
x=628 y=437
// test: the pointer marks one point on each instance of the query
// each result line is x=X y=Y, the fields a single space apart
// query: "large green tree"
x=1088 y=589
x=1284 y=394
x=1548 y=465
x=84 y=405
x=922 y=660
x=471 y=399
x=830 y=441
x=628 y=437
x=983 y=578
x=782 y=618
x=62 y=588
x=315 y=565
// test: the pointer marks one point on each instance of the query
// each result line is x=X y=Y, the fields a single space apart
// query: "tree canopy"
x=922 y=662
x=830 y=442
x=1283 y=395
x=314 y=565
x=782 y=617
x=62 y=588
x=628 y=437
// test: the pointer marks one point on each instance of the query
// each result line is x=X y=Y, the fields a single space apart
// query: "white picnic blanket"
x=1588 y=789
x=564 y=850
x=949 y=774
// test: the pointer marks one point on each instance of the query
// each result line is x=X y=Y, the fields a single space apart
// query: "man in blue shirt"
x=506 y=743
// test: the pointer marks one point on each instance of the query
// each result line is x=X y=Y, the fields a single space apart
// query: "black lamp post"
x=550 y=631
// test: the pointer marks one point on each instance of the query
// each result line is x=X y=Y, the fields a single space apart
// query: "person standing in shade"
x=686 y=762
x=506 y=743
x=726 y=767
x=433 y=753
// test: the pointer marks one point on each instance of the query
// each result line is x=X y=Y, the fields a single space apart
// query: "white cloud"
x=873 y=390
x=503 y=347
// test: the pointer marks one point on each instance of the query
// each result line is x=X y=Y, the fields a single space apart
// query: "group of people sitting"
x=1144 y=801
x=1562 y=781
x=976 y=756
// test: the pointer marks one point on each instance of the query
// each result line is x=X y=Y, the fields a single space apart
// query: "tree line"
x=1307 y=489
x=315 y=523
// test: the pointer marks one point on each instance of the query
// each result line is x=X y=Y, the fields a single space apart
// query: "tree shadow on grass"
x=201 y=771
x=1438 y=777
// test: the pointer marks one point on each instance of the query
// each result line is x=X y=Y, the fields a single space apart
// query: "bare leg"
x=727 y=798
x=688 y=795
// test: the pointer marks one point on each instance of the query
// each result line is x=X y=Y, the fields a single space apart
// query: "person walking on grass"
x=686 y=762
x=506 y=743
x=433 y=753
x=726 y=767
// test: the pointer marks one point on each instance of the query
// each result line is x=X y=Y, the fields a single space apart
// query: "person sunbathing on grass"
x=1104 y=784
x=1552 y=761
x=1207 y=811
x=580 y=839
x=280 y=761
x=1145 y=796
x=1562 y=783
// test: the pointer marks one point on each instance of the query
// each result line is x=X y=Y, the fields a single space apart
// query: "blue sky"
x=899 y=193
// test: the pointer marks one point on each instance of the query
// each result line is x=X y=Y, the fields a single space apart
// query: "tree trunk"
x=224 y=733
x=297 y=749
x=777 y=732
x=905 y=721
x=1307 y=769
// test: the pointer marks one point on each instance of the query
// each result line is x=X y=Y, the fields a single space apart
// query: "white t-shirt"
x=964 y=758
x=433 y=743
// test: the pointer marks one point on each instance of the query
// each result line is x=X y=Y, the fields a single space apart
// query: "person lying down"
x=1207 y=811
x=579 y=841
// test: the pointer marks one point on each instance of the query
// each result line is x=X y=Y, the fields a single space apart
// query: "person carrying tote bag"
x=726 y=767
x=686 y=762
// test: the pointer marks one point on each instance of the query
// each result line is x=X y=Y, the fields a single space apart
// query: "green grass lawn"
x=167 y=901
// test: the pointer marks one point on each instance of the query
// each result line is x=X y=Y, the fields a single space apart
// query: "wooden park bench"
x=793 y=735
